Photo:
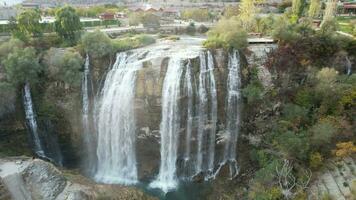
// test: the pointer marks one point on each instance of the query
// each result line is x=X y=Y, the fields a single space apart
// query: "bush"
x=295 y=114
x=97 y=44
x=322 y=133
x=196 y=14
x=133 y=42
x=293 y=145
x=64 y=65
x=8 y=47
x=191 y=29
x=227 y=34
x=315 y=160
x=22 y=66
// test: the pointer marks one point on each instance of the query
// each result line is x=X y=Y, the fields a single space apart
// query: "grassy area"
x=347 y=24
x=132 y=42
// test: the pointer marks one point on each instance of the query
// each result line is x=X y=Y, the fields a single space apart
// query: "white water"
x=116 y=123
x=169 y=128
x=189 y=90
x=207 y=114
x=86 y=119
x=213 y=112
x=232 y=112
x=31 y=120
x=202 y=96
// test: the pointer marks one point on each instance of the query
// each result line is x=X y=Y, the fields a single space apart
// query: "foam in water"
x=116 y=123
x=169 y=128
x=31 y=121
x=232 y=111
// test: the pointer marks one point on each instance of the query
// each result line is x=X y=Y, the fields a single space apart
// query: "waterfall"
x=86 y=119
x=31 y=121
x=169 y=128
x=232 y=112
x=189 y=90
x=206 y=92
x=348 y=66
x=116 y=123
x=213 y=112
x=202 y=96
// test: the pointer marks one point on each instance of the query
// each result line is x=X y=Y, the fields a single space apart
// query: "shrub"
x=97 y=44
x=191 y=29
x=128 y=43
x=315 y=160
x=196 y=14
x=22 y=65
x=293 y=145
x=227 y=34
x=322 y=133
x=8 y=47
x=64 y=65
x=345 y=149
x=253 y=92
x=295 y=113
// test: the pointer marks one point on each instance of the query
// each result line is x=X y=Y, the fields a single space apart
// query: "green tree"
x=227 y=33
x=97 y=44
x=28 y=23
x=64 y=66
x=329 y=11
x=314 y=8
x=9 y=46
x=68 y=24
x=22 y=66
x=297 y=8
x=247 y=14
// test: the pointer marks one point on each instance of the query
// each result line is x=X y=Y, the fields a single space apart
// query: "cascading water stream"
x=232 y=112
x=213 y=112
x=202 y=96
x=116 y=123
x=207 y=114
x=169 y=128
x=189 y=90
x=87 y=120
x=32 y=122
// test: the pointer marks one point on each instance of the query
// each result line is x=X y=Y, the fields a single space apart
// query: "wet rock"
x=38 y=173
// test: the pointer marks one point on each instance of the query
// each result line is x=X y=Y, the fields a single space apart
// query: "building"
x=120 y=15
x=107 y=16
x=349 y=8
x=7 y=12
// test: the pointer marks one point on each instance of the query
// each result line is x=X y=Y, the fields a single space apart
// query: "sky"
x=9 y=2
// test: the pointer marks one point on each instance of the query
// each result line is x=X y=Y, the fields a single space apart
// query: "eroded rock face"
x=37 y=173
x=24 y=178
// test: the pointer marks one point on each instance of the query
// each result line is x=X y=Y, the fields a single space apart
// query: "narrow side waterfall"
x=170 y=126
x=189 y=90
x=32 y=122
x=116 y=123
x=232 y=112
x=213 y=112
x=202 y=96
x=87 y=120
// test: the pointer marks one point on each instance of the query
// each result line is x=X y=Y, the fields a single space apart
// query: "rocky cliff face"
x=24 y=178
